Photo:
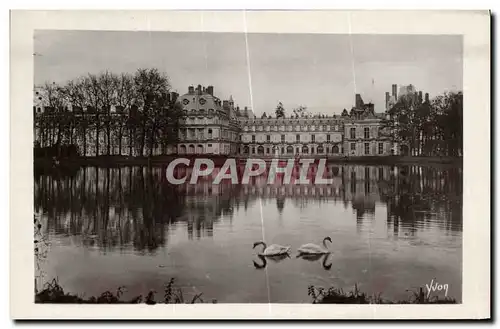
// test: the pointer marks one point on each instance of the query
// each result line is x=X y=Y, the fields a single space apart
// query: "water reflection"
x=112 y=208
x=392 y=228
x=314 y=258
x=263 y=260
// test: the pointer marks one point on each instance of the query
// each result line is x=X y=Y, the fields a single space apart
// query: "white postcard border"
x=475 y=28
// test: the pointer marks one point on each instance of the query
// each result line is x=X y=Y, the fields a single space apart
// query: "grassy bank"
x=338 y=296
x=54 y=293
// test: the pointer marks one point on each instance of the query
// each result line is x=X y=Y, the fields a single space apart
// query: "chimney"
x=426 y=97
x=225 y=104
x=387 y=98
x=191 y=90
x=395 y=91
x=359 y=101
x=203 y=89
x=210 y=90
x=371 y=107
x=198 y=90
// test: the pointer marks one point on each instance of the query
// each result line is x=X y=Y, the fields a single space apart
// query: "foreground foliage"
x=338 y=296
x=54 y=293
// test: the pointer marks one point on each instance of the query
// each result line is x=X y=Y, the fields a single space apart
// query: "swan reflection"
x=264 y=259
x=315 y=257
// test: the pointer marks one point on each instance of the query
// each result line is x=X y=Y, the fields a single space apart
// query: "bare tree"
x=125 y=98
x=92 y=95
x=151 y=87
x=145 y=112
x=55 y=105
x=74 y=93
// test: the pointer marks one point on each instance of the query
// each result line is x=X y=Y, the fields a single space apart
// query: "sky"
x=320 y=71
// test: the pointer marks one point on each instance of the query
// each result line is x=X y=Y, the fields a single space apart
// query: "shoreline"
x=53 y=293
x=118 y=161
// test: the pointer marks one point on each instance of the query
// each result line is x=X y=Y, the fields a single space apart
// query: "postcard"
x=250 y=164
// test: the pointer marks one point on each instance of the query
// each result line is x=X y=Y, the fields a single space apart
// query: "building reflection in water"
x=117 y=207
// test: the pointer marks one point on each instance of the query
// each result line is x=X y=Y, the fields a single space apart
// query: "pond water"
x=393 y=229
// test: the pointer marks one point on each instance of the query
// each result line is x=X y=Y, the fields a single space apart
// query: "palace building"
x=211 y=126
x=215 y=127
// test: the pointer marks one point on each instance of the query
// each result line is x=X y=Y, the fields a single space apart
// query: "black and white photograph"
x=210 y=167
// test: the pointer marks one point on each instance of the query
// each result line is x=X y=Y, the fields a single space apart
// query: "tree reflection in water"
x=118 y=207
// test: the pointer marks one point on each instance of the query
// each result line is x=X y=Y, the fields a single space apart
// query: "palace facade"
x=219 y=127
x=215 y=127
x=210 y=126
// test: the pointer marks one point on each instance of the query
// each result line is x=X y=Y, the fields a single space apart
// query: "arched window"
x=305 y=149
x=260 y=150
x=320 y=149
x=335 y=149
x=289 y=150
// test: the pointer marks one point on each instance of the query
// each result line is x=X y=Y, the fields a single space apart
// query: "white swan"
x=314 y=249
x=272 y=250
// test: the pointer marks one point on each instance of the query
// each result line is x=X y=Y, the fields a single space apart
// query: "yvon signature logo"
x=435 y=286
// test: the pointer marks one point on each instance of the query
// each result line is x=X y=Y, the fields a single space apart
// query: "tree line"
x=428 y=128
x=111 y=113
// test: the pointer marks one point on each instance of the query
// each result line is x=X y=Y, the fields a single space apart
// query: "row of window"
x=210 y=111
x=305 y=149
x=297 y=138
x=328 y=137
x=367 y=148
x=291 y=150
x=205 y=120
x=290 y=128
x=366 y=132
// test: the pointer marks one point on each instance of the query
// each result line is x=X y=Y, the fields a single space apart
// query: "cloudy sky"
x=322 y=72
